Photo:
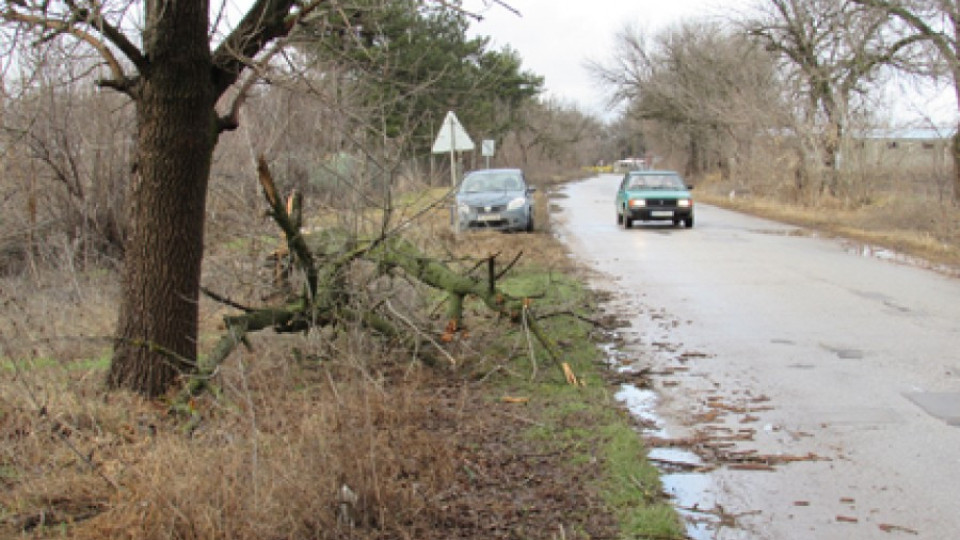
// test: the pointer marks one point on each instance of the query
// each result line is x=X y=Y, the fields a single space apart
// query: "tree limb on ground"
x=323 y=301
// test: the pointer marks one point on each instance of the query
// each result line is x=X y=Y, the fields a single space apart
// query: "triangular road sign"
x=452 y=136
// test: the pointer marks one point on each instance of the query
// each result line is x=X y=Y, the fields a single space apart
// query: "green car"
x=654 y=196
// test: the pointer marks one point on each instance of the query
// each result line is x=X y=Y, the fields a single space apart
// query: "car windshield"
x=656 y=181
x=478 y=183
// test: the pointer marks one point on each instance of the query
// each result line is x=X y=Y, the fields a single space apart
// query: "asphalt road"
x=822 y=377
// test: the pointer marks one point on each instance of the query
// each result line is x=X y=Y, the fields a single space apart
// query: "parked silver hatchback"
x=494 y=199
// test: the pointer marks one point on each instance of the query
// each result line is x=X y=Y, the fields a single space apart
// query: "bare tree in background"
x=936 y=22
x=74 y=143
x=831 y=49
x=550 y=132
x=709 y=89
x=160 y=54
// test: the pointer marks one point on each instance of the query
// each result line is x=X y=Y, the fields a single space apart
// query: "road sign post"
x=452 y=138
x=487 y=147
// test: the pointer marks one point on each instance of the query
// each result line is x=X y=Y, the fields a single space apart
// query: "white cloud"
x=555 y=39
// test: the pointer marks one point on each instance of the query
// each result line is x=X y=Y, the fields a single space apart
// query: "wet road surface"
x=820 y=386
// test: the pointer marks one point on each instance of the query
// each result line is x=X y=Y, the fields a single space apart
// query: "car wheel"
x=627 y=222
x=619 y=218
x=676 y=222
x=689 y=222
x=530 y=223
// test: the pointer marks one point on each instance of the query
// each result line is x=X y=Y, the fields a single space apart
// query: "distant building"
x=903 y=147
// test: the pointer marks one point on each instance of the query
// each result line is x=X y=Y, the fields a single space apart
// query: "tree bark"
x=955 y=151
x=176 y=134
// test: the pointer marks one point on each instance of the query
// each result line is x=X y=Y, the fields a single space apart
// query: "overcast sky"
x=555 y=39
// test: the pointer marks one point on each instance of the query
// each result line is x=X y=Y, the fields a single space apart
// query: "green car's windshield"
x=656 y=181
x=479 y=183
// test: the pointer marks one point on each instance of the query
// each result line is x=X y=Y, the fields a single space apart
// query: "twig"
x=451 y=359
x=526 y=335
x=225 y=301
x=510 y=265
x=570 y=313
x=525 y=419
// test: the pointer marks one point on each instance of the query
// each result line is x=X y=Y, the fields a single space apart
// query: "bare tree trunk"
x=955 y=150
x=157 y=327
x=831 y=158
x=694 y=157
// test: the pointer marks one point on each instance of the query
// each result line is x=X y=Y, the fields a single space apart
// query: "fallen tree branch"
x=325 y=259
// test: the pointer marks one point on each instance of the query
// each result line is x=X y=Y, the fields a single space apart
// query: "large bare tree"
x=166 y=56
x=706 y=86
x=938 y=23
x=831 y=48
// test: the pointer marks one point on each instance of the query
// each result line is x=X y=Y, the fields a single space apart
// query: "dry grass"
x=268 y=459
x=332 y=434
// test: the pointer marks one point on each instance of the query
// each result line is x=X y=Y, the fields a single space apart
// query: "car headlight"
x=463 y=208
x=638 y=203
x=519 y=202
x=684 y=203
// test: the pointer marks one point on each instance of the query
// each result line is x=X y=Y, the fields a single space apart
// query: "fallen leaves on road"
x=886 y=527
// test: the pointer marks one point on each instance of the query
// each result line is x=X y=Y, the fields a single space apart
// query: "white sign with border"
x=452 y=137
x=487 y=147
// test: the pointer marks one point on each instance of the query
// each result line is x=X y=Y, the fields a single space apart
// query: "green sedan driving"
x=654 y=196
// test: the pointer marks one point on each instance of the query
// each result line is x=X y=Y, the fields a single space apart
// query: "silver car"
x=494 y=199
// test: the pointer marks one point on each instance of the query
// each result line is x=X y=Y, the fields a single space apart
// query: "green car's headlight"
x=638 y=203
x=684 y=203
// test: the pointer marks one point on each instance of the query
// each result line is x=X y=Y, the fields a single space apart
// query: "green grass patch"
x=585 y=421
x=417 y=201
x=632 y=487
x=552 y=287
x=98 y=363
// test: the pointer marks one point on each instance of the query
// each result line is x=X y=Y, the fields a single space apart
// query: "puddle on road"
x=942 y=405
x=885 y=254
x=642 y=404
x=689 y=490
x=787 y=231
